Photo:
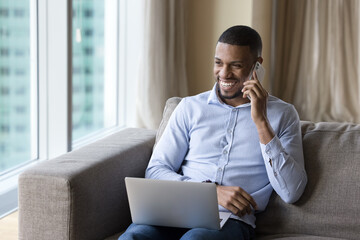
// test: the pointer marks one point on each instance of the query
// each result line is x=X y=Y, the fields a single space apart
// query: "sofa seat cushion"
x=296 y=237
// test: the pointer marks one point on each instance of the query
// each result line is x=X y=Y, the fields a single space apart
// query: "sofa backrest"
x=170 y=106
x=329 y=206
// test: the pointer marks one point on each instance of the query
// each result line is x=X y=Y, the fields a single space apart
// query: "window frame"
x=9 y=178
x=113 y=79
x=52 y=113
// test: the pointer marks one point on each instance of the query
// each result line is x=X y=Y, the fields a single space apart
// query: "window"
x=60 y=90
x=17 y=122
x=4 y=52
x=4 y=11
x=18 y=95
x=94 y=88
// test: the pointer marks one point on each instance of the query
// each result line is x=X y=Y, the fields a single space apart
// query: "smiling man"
x=248 y=147
x=232 y=67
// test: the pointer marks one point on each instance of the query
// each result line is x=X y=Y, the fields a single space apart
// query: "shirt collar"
x=213 y=97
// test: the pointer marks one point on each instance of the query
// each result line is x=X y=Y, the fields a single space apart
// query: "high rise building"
x=88 y=67
x=14 y=83
x=15 y=90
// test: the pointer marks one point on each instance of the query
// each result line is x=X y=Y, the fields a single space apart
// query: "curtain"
x=162 y=72
x=316 y=58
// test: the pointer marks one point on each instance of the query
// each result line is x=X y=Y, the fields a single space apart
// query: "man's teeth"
x=227 y=84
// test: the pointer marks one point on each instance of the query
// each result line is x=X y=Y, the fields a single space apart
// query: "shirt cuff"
x=272 y=149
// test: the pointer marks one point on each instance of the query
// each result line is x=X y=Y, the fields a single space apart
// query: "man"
x=236 y=135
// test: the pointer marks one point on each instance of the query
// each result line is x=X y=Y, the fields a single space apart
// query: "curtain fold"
x=162 y=72
x=317 y=58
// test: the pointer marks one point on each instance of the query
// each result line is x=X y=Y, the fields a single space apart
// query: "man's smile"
x=227 y=84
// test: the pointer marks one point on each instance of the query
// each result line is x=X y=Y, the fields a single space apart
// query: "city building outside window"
x=59 y=93
x=94 y=39
x=16 y=97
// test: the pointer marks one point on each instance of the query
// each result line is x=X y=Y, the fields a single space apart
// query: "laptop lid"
x=174 y=203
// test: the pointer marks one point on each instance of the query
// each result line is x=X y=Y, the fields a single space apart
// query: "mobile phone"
x=260 y=73
x=259 y=70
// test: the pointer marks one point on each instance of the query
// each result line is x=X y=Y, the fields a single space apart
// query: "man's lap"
x=233 y=229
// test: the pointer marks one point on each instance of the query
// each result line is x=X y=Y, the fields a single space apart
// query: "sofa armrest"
x=81 y=194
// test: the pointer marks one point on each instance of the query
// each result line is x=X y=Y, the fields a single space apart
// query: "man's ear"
x=260 y=60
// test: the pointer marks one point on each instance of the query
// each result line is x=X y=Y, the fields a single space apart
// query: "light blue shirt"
x=207 y=139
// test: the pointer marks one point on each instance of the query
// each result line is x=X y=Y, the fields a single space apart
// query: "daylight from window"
x=15 y=85
x=88 y=67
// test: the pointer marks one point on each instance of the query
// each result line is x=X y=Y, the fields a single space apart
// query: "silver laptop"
x=174 y=203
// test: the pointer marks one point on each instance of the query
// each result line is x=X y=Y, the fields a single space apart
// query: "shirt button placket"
x=219 y=174
x=225 y=152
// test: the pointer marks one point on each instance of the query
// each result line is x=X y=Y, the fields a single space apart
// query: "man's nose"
x=225 y=72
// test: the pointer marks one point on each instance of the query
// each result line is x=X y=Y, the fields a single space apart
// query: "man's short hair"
x=243 y=36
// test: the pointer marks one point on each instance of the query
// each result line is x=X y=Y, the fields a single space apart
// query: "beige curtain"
x=316 y=58
x=162 y=72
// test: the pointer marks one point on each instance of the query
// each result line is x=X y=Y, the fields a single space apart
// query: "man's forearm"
x=265 y=131
x=163 y=172
x=286 y=172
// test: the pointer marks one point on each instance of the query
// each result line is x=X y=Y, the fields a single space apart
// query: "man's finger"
x=248 y=198
x=242 y=205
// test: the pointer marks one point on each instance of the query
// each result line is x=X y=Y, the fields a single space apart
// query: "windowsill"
x=9 y=189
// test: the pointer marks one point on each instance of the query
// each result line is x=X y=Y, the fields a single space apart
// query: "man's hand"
x=259 y=97
x=236 y=200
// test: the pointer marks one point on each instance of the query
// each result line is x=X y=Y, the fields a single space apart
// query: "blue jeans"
x=232 y=230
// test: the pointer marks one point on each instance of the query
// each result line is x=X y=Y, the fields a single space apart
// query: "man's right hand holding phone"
x=259 y=97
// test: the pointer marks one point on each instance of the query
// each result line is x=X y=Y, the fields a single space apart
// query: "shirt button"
x=225 y=152
x=229 y=131
x=234 y=110
x=219 y=169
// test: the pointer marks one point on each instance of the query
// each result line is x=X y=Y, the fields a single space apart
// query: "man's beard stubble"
x=237 y=94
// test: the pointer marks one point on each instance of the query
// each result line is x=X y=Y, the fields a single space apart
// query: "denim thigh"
x=148 y=232
x=232 y=230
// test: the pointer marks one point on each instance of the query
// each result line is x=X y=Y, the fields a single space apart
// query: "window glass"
x=90 y=91
x=16 y=83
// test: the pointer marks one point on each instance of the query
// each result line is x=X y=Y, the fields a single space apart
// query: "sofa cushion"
x=329 y=206
x=170 y=106
x=295 y=237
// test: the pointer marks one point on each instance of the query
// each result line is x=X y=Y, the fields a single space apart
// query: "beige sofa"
x=81 y=195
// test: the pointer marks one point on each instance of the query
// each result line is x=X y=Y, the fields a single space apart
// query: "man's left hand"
x=259 y=97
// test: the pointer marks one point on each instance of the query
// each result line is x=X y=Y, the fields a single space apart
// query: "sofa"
x=81 y=194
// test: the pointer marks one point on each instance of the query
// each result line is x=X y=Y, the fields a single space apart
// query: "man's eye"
x=217 y=62
x=237 y=66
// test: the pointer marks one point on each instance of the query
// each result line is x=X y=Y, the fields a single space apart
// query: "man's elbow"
x=154 y=172
x=295 y=195
x=290 y=199
x=148 y=172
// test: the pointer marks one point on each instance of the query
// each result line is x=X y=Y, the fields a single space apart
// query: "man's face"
x=232 y=68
